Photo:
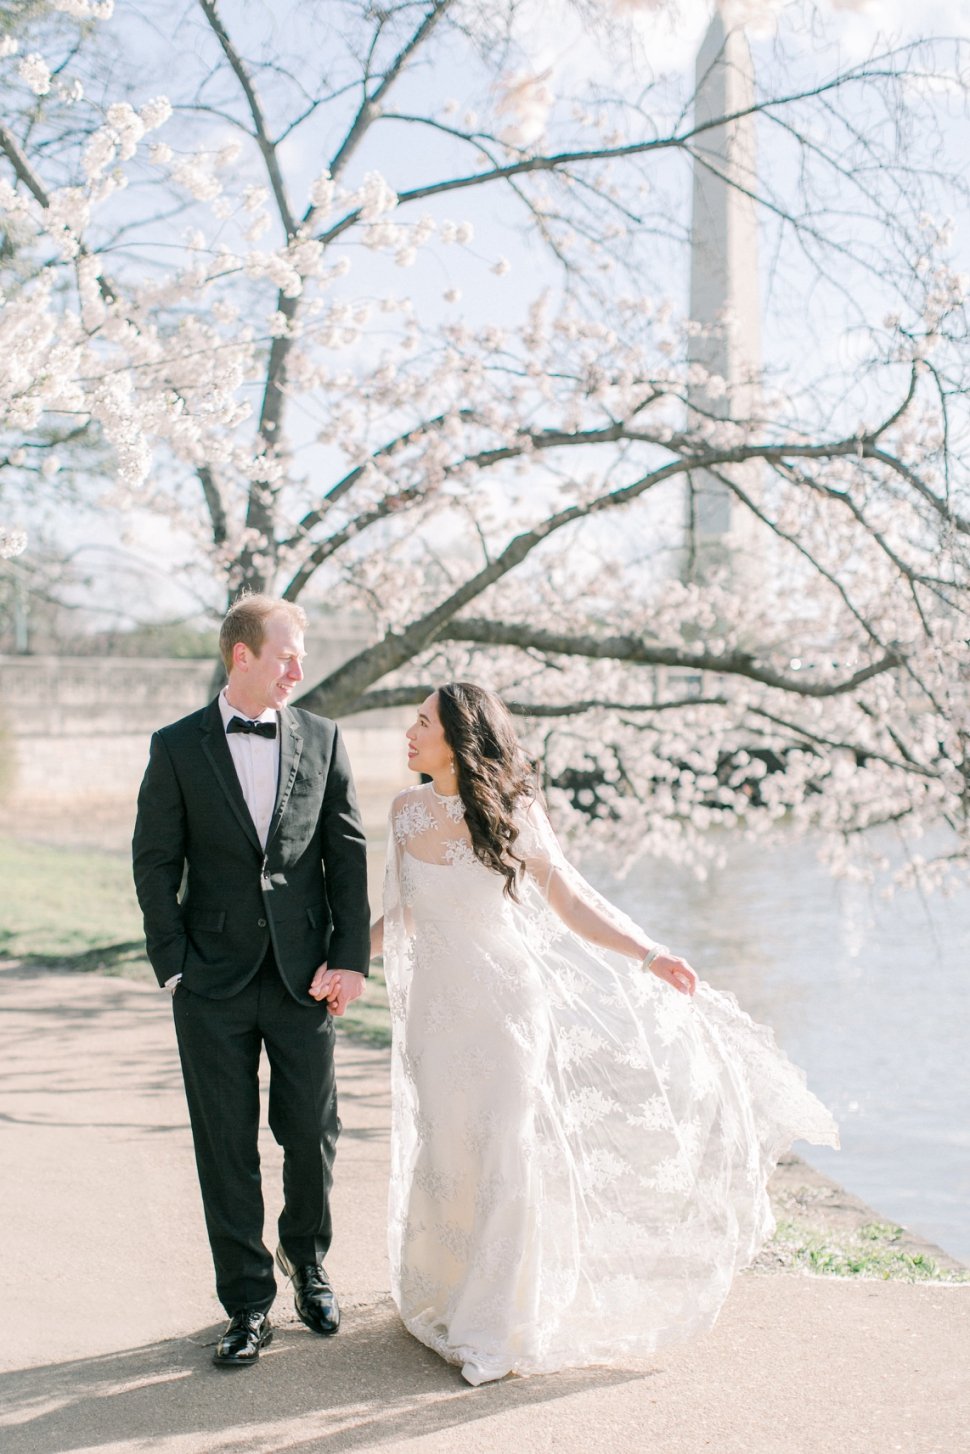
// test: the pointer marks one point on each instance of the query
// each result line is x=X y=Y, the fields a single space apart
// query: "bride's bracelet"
x=652 y=954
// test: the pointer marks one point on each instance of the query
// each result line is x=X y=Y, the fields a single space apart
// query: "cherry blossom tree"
x=210 y=213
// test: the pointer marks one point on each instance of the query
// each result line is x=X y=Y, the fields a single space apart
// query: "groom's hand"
x=337 y=986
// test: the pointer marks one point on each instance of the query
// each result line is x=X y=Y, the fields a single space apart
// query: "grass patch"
x=66 y=907
x=369 y=1018
x=871 y=1251
x=71 y=910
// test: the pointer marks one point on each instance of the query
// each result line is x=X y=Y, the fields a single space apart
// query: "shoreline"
x=819 y=1220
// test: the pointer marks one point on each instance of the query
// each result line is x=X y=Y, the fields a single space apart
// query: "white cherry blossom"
x=34 y=72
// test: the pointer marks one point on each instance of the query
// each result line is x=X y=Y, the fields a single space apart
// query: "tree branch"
x=636 y=651
x=368 y=107
x=263 y=141
x=554 y=162
x=347 y=482
x=12 y=150
x=693 y=456
x=407 y=696
x=214 y=504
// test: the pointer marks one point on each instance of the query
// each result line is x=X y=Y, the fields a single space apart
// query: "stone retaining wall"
x=74 y=736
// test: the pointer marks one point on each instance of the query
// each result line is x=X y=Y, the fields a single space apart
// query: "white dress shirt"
x=257 y=763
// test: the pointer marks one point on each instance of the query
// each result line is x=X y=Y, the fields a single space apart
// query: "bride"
x=582 y=1131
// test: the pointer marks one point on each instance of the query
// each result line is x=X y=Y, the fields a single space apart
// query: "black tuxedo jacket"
x=211 y=897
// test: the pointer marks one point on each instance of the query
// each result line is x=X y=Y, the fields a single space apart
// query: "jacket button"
x=261 y=923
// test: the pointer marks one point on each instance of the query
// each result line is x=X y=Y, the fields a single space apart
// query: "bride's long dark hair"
x=494 y=775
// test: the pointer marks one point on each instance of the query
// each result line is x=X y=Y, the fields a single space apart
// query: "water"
x=871 y=998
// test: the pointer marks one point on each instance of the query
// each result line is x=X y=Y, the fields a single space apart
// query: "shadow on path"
x=372 y=1385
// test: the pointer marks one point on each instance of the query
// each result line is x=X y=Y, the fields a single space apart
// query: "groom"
x=249 y=864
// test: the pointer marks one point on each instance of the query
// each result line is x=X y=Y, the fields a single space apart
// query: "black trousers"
x=219 y=1046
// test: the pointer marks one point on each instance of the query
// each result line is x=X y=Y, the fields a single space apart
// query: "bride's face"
x=428 y=751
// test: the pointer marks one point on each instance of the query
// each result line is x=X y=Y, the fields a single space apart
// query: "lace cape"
x=646 y=1124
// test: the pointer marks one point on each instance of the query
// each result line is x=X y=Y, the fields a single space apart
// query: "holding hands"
x=337 y=986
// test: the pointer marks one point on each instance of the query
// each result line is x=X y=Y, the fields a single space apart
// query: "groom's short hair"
x=246 y=622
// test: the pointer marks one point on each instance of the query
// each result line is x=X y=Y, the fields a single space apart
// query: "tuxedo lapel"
x=291 y=748
x=216 y=749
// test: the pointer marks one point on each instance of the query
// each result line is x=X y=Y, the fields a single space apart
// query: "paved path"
x=108 y=1313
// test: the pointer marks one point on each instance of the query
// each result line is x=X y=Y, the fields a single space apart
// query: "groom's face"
x=268 y=680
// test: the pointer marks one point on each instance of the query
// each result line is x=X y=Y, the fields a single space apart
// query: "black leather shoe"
x=313 y=1297
x=239 y=1345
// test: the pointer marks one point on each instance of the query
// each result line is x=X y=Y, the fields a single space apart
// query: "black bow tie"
x=242 y=724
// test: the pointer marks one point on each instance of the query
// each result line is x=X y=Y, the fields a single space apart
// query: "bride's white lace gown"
x=579 y=1153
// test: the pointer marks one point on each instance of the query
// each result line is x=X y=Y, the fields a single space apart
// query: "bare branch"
x=369 y=107
x=266 y=146
x=347 y=481
x=559 y=161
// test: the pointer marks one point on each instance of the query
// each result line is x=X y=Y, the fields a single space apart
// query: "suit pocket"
x=309 y=785
x=209 y=921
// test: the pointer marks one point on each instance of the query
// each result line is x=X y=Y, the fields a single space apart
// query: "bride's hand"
x=676 y=972
x=323 y=986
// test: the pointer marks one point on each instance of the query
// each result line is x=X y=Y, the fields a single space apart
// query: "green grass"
x=368 y=1018
x=871 y=1251
x=77 y=910
x=66 y=907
